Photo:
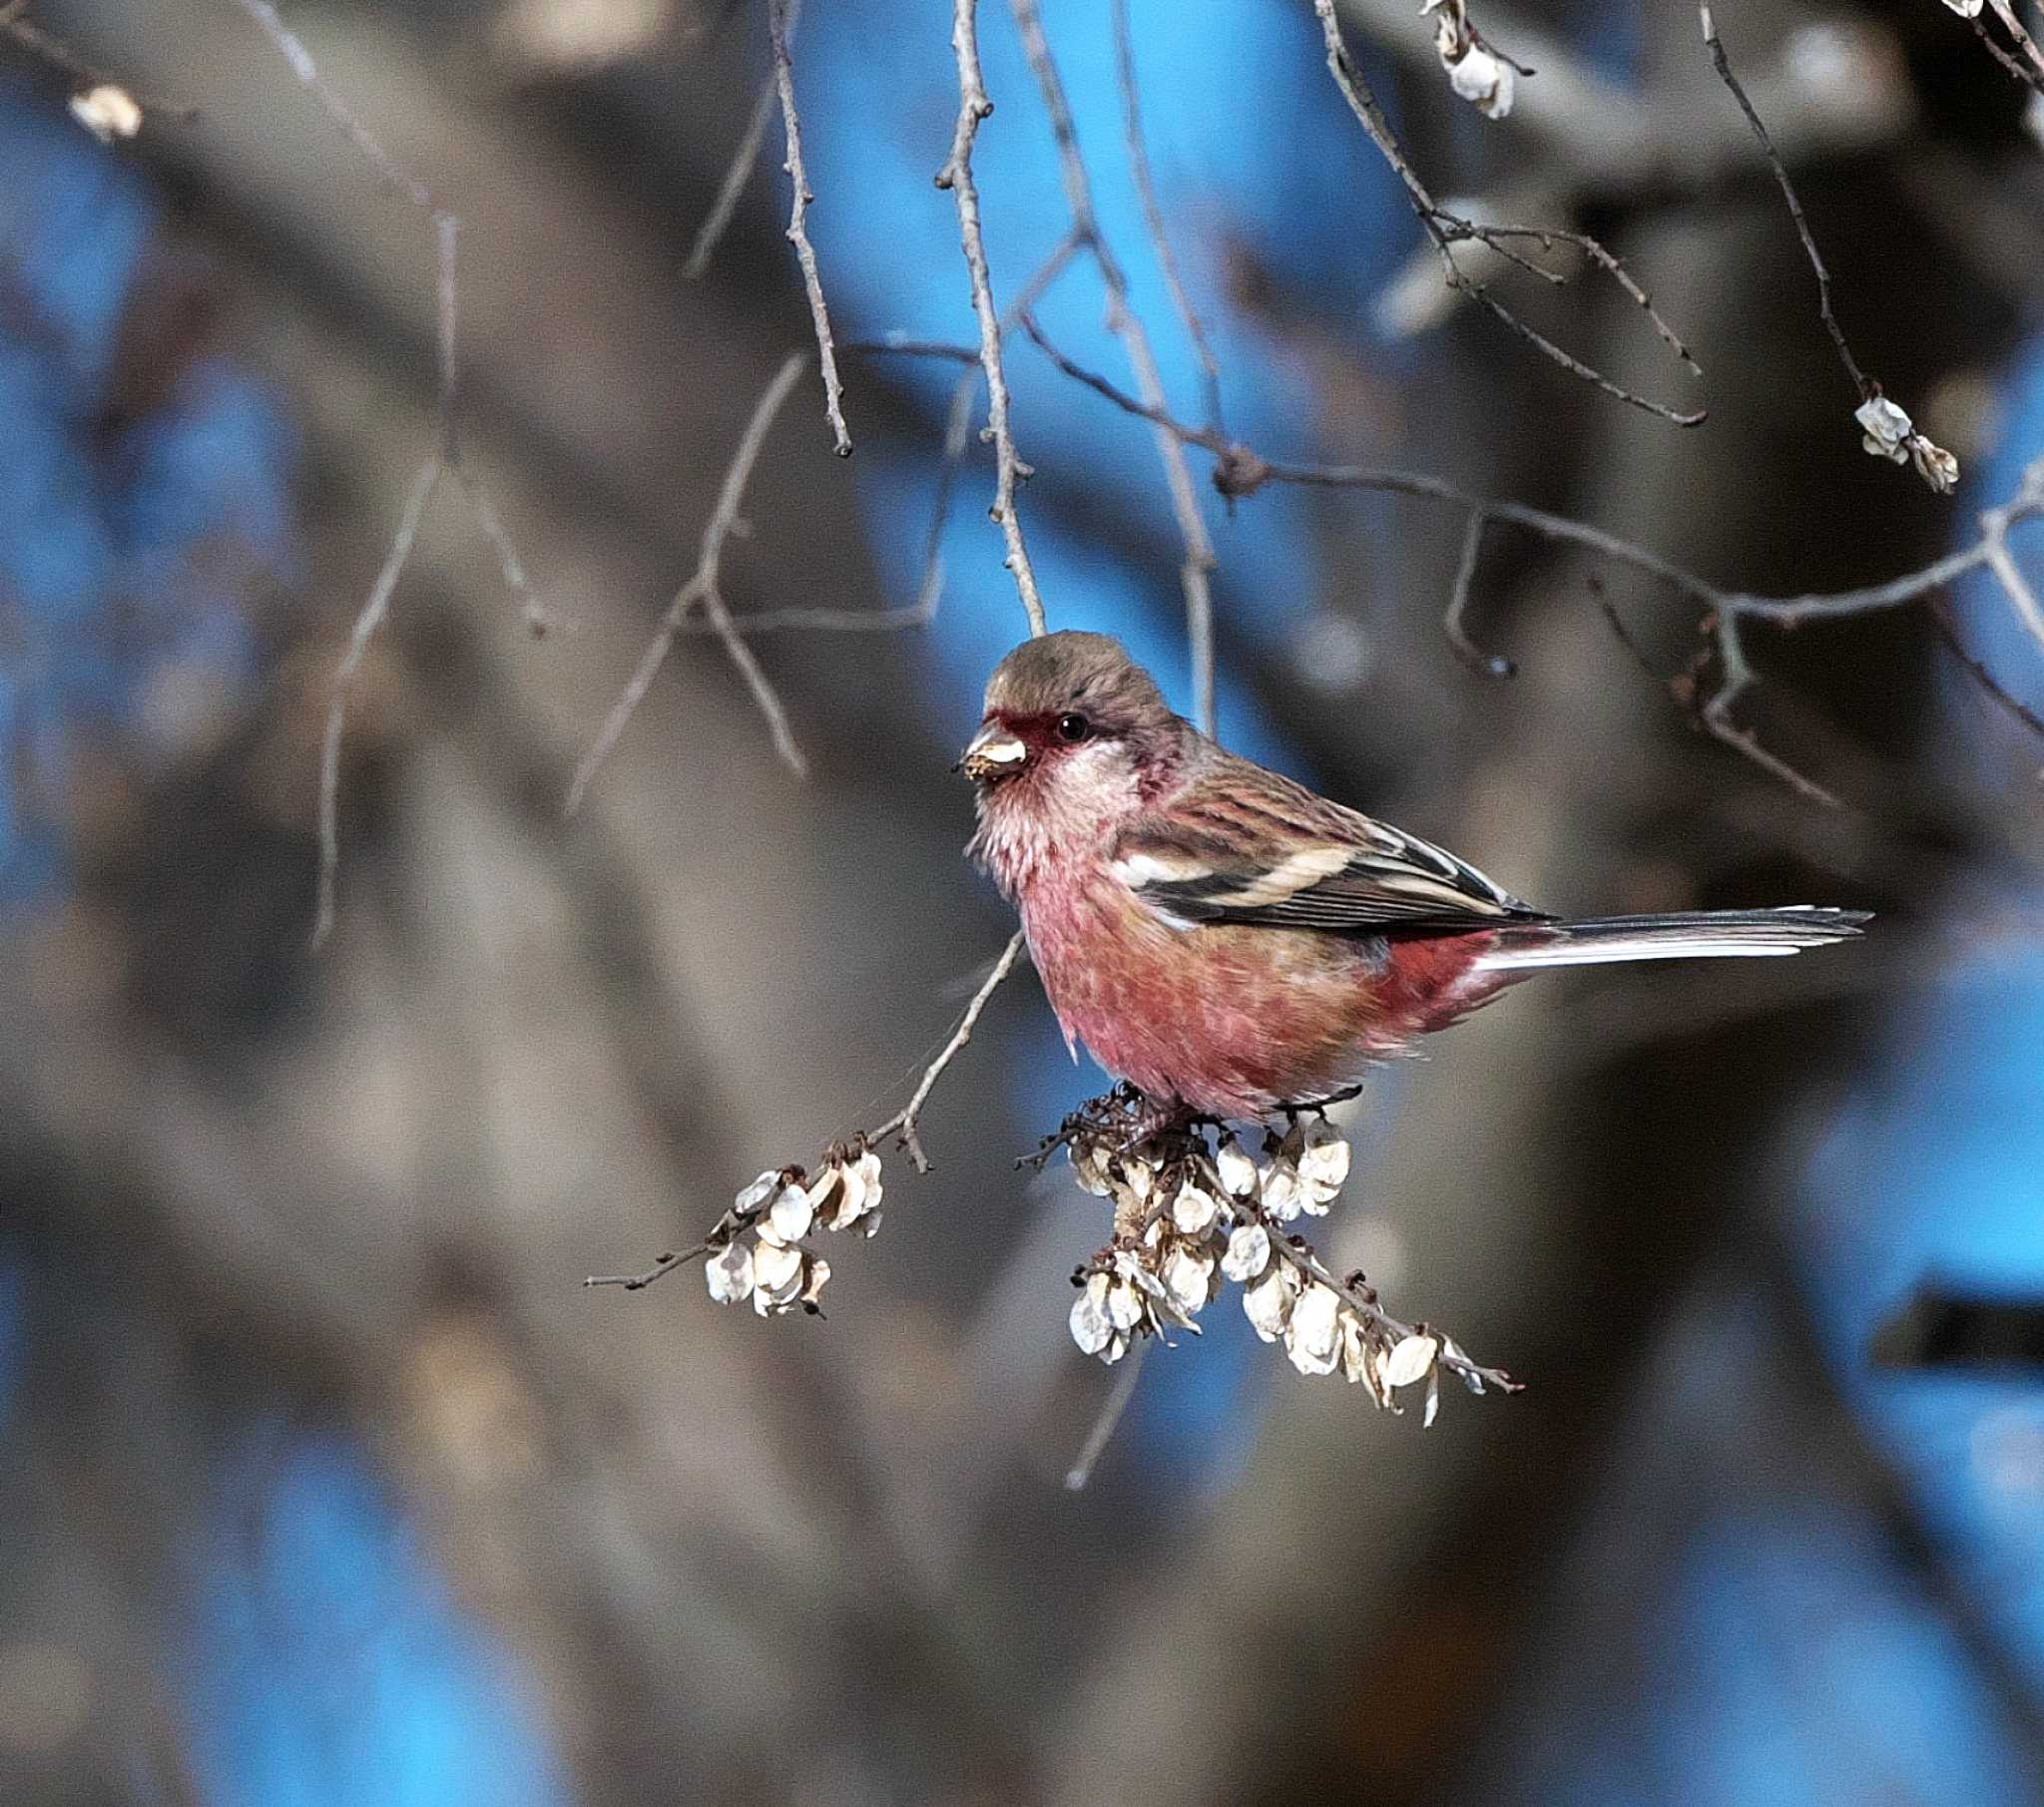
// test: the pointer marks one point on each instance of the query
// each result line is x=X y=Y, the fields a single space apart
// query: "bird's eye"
x=1073 y=727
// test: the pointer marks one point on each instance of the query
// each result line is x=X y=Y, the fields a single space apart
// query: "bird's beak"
x=993 y=753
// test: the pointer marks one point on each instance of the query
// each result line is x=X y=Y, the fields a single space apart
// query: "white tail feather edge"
x=1603 y=953
x=1699 y=935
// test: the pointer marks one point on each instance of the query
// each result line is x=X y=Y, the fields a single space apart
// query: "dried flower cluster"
x=1890 y=433
x=1195 y=1210
x=758 y=1250
x=1476 y=71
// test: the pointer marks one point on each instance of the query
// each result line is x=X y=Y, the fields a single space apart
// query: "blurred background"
x=322 y=1480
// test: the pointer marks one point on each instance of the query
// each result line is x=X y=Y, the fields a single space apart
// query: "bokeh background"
x=322 y=1480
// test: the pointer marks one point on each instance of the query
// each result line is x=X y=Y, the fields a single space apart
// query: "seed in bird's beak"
x=993 y=752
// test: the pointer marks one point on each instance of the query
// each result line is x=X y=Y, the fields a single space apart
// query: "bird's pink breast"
x=1233 y=1021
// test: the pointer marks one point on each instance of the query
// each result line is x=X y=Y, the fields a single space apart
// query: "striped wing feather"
x=1245 y=846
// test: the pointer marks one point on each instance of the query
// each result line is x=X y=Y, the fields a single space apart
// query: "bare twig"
x=974 y=108
x=1486 y=665
x=1949 y=632
x=1152 y=212
x=702 y=592
x=1994 y=526
x=2006 y=13
x=1108 y=1420
x=744 y=160
x=779 y=24
x=902 y=1125
x=1123 y=320
x=1446 y=229
x=1861 y=380
x=371 y=618
x=743 y=163
x=1736 y=677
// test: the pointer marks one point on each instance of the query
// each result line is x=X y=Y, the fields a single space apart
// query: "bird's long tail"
x=1684 y=935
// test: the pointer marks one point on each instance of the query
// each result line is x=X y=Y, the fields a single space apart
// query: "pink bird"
x=1227 y=941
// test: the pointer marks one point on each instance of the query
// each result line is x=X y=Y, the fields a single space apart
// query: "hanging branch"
x=1446 y=229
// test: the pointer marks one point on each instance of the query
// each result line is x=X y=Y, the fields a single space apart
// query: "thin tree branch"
x=2006 y=13
x=1446 y=229
x=371 y=616
x=744 y=160
x=1861 y=380
x=1153 y=213
x=779 y=25
x=1127 y=324
x=974 y=106
x=1485 y=664
x=1108 y=1420
x=902 y=1125
x=702 y=592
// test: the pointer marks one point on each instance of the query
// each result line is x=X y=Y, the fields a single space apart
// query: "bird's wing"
x=1243 y=844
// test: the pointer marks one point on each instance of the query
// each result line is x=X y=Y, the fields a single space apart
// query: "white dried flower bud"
x=1322 y=1164
x=1139 y=1178
x=1454 y=1352
x=1188 y=1279
x=1313 y=1337
x=754 y=1199
x=1194 y=1210
x=1354 y=1349
x=777 y=1277
x=867 y=1167
x=1433 y=1397
x=847 y=1191
x=1124 y=1305
x=1091 y=1329
x=1237 y=1172
x=1966 y=9
x=1283 y=1196
x=1483 y=81
x=1411 y=1358
x=1886 y=427
x=728 y=1274
x=1089 y=1167
x=1934 y=464
x=1249 y=1252
x=788 y=1218
x=1268 y=1304
x=107 y=112
x=815 y=1276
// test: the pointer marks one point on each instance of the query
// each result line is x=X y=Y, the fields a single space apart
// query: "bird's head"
x=1071 y=720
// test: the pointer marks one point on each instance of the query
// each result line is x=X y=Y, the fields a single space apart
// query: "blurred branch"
x=1152 y=212
x=446 y=233
x=1125 y=322
x=1446 y=229
x=780 y=25
x=702 y=592
x=975 y=107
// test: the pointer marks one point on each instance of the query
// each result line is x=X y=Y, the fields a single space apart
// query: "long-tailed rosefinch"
x=1227 y=941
